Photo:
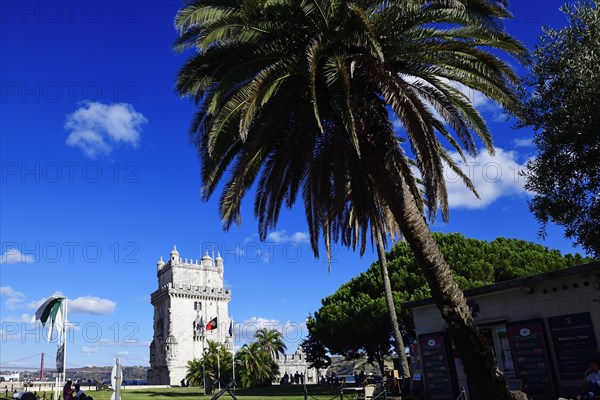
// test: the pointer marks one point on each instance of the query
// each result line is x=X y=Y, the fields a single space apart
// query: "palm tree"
x=257 y=368
x=300 y=97
x=218 y=361
x=382 y=223
x=194 y=373
x=391 y=307
x=271 y=341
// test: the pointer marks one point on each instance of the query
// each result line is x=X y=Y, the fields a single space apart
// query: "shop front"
x=543 y=329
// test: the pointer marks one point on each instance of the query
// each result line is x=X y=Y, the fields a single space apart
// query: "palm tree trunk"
x=389 y=300
x=476 y=355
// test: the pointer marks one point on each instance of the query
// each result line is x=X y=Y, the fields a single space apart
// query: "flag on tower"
x=212 y=324
x=51 y=310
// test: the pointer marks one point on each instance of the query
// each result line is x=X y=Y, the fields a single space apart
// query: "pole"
x=233 y=353
x=219 y=369
x=65 y=337
x=304 y=383
x=118 y=379
x=233 y=364
x=203 y=362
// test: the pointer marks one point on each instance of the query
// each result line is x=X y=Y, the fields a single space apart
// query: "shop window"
x=497 y=337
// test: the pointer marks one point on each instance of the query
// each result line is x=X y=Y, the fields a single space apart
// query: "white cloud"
x=282 y=237
x=493 y=176
x=96 y=127
x=37 y=303
x=14 y=256
x=13 y=303
x=10 y=292
x=130 y=343
x=90 y=350
x=91 y=305
x=81 y=305
x=15 y=298
x=249 y=239
x=524 y=142
x=292 y=332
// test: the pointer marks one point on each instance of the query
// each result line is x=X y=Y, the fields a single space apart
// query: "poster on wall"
x=437 y=374
x=574 y=340
x=530 y=357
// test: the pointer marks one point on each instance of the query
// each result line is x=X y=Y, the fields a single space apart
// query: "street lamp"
x=206 y=352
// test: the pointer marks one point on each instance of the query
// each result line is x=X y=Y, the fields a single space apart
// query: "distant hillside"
x=341 y=366
x=94 y=373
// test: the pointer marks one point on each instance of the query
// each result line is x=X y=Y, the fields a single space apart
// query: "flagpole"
x=233 y=352
x=65 y=340
x=203 y=361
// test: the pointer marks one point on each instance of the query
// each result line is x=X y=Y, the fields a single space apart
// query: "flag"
x=212 y=324
x=200 y=326
x=60 y=358
x=51 y=310
x=231 y=328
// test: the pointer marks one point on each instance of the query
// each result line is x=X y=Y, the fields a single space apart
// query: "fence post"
x=341 y=394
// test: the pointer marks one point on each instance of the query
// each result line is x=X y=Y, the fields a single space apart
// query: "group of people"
x=296 y=379
x=71 y=392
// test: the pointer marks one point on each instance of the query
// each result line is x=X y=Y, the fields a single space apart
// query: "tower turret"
x=206 y=261
x=160 y=264
x=174 y=255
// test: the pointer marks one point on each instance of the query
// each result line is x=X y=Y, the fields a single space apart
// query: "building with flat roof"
x=543 y=329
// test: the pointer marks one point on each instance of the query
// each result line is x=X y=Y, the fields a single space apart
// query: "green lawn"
x=272 y=393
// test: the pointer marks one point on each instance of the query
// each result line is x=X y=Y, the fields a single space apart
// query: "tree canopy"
x=564 y=110
x=358 y=306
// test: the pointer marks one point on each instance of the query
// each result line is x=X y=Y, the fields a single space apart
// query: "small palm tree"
x=296 y=97
x=271 y=341
x=195 y=374
x=218 y=361
x=257 y=368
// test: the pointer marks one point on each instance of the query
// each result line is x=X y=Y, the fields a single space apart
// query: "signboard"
x=436 y=367
x=530 y=358
x=574 y=340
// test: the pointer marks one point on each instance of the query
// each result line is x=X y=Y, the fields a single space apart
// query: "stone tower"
x=189 y=295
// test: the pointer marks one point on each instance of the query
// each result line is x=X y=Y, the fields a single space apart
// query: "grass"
x=315 y=392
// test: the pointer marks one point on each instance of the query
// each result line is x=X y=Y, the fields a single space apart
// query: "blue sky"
x=99 y=180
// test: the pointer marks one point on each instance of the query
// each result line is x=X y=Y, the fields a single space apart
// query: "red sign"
x=436 y=367
x=528 y=346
